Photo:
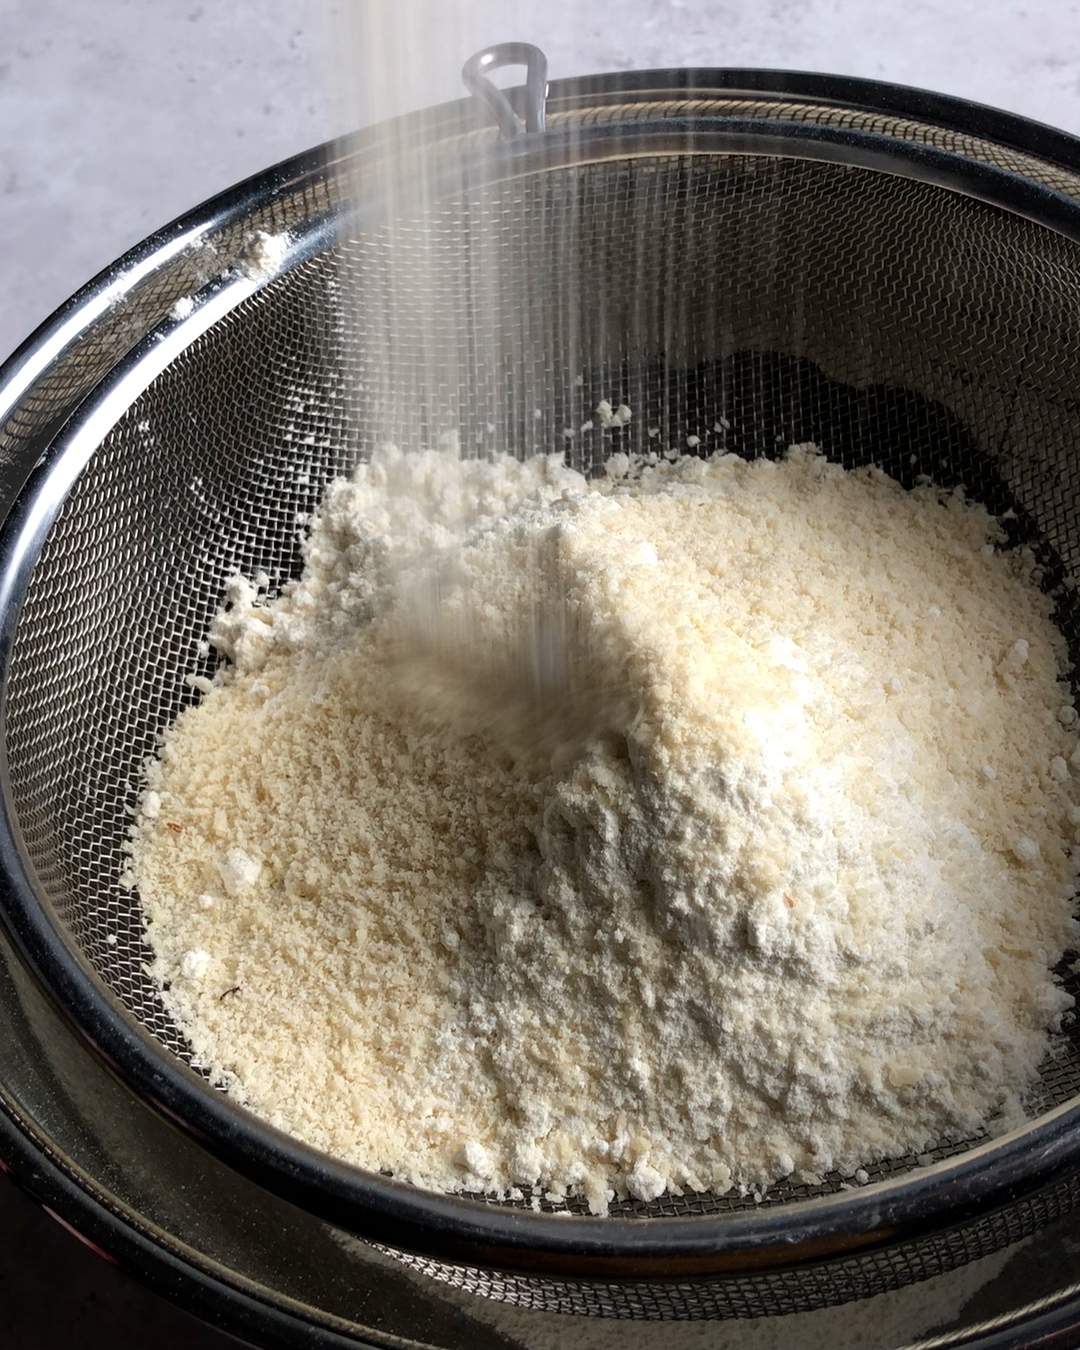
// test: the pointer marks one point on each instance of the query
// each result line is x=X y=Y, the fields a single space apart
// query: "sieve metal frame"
x=455 y=1228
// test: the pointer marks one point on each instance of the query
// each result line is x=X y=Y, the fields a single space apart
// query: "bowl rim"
x=454 y=1227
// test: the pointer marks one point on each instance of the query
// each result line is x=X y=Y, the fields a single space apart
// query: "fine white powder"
x=263 y=254
x=695 y=826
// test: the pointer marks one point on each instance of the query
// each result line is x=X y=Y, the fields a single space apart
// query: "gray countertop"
x=118 y=115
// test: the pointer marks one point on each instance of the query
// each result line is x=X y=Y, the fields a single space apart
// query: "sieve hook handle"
x=476 y=73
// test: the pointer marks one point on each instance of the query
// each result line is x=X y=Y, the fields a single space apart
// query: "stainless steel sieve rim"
x=453 y=1227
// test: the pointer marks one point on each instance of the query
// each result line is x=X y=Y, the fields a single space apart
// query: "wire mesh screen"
x=735 y=302
x=753 y=1294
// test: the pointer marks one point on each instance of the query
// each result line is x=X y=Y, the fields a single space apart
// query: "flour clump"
x=685 y=828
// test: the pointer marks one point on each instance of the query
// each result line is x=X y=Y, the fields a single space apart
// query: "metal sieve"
x=750 y=258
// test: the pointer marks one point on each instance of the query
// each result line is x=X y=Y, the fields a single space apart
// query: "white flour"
x=691 y=828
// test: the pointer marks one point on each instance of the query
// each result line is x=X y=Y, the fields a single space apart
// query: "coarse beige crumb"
x=689 y=828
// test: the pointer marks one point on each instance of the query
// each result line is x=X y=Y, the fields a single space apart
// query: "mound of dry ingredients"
x=683 y=829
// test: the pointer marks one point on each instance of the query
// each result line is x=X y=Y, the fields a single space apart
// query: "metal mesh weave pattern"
x=748 y=301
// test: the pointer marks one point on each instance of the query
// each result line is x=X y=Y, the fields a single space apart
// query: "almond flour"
x=688 y=828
